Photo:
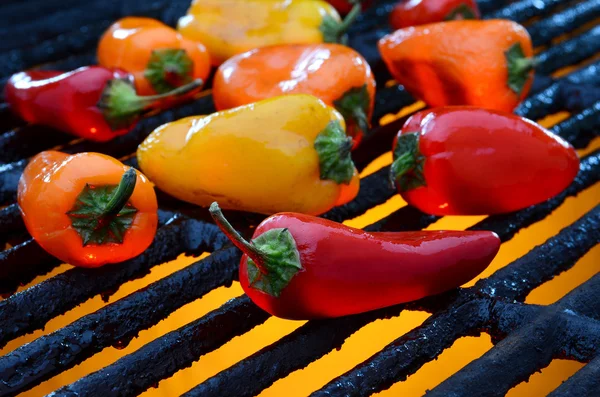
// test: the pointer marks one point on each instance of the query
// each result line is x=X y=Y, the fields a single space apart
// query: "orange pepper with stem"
x=87 y=209
x=487 y=64
x=336 y=74
x=158 y=57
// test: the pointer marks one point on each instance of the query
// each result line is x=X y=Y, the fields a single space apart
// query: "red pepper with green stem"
x=471 y=161
x=92 y=102
x=302 y=267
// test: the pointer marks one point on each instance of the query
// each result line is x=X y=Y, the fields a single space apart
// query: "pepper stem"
x=354 y=105
x=333 y=30
x=407 y=169
x=273 y=257
x=121 y=105
x=122 y=194
x=333 y=147
x=101 y=214
x=235 y=237
x=519 y=67
x=168 y=68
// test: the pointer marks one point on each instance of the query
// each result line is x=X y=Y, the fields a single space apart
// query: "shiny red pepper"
x=420 y=12
x=92 y=102
x=302 y=267
x=471 y=161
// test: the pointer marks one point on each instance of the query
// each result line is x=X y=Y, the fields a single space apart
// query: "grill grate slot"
x=492 y=305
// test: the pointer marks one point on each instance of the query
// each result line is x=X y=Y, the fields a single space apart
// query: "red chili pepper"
x=301 y=267
x=91 y=102
x=470 y=161
x=345 y=6
x=421 y=12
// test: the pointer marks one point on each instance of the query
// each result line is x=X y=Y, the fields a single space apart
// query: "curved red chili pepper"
x=471 y=161
x=91 y=102
x=302 y=267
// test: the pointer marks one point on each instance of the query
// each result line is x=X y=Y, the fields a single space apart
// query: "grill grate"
x=528 y=334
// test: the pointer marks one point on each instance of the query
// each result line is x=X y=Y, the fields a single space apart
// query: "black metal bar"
x=30 y=32
x=29 y=140
x=33 y=308
x=114 y=324
x=582 y=128
x=565 y=21
x=569 y=52
x=582 y=382
x=514 y=282
x=521 y=11
x=14 y=14
x=164 y=356
x=495 y=372
x=51 y=50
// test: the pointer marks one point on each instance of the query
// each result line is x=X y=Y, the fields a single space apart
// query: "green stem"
x=350 y=18
x=181 y=90
x=524 y=65
x=235 y=237
x=122 y=194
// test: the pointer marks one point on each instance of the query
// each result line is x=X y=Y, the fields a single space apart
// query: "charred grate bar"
x=491 y=306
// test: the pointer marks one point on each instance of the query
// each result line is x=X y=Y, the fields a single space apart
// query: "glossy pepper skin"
x=302 y=267
x=230 y=27
x=87 y=209
x=158 y=57
x=91 y=102
x=421 y=12
x=477 y=63
x=470 y=161
x=285 y=153
x=334 y=73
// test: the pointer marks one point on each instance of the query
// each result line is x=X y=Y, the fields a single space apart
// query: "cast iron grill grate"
x=529 y=335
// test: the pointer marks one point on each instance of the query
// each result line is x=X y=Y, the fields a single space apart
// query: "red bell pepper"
x=421 y=12
x=302 y=267
x=471 y=161
x=91 y=102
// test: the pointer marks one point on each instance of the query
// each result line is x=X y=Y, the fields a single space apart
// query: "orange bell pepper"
x=159 y=58
x=487 y=64
x=87 y=209
x=334 y=73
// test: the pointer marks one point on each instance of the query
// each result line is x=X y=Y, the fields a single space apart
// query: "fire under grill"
x=62 y=34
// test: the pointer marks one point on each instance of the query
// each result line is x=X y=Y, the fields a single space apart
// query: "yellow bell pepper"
x=230 y=27
x=288 y=153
